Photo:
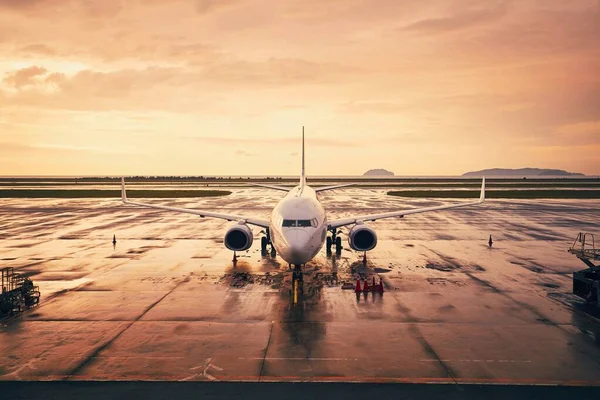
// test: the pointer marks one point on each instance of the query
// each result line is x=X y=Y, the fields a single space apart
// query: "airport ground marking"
x=205 y=367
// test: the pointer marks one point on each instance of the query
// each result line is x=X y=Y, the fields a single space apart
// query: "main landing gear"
x=265 y=241
x=334 y=240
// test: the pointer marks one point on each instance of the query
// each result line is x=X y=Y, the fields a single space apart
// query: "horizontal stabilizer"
x=324 y=188
x=274 y=187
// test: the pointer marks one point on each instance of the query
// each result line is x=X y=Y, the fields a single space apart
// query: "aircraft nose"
x=298 y=241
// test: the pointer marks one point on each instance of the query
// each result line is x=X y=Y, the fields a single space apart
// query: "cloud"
x=577 y=134
x=439 y=77
x=206 y=6
x=587 y=127
x=176 y=88
x=468 y=17
x=37 y=49
x=244 y=153
x=23 y=3
x=90 y=8
x=13 y=147
x=126 y=89
x=526 y=34
x=278 y=71
x=22 y=149
x=76 y=148
x=24 y=77
x=372 y=107
x=261 y=141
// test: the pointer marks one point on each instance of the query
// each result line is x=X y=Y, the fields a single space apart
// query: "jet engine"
x=362 y=238
x=239 y=237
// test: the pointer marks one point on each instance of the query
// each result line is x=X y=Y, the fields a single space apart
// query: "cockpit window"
x=299 y=223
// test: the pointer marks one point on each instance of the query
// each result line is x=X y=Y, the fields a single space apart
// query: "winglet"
x=482 y=195
x=123 y=193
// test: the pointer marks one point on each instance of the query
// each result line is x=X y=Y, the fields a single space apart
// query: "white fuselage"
x=298 y=226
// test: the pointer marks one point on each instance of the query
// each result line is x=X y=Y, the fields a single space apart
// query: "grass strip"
x=499 y=194
x=106 y=194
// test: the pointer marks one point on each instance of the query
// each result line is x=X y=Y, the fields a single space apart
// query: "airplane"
x=298 y=226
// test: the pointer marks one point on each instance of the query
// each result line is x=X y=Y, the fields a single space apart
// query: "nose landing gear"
x=297 y=284
x=265 y=241
x=334 y=240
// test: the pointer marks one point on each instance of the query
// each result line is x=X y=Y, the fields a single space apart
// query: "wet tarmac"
x=166 y=303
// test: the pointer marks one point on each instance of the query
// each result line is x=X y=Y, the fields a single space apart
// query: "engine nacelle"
x=239 y=237
x=362 y=238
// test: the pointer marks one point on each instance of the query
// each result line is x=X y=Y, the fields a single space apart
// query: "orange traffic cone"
x=357 y=289
x=366 y=288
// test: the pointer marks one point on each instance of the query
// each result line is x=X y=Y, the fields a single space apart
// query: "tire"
x=338 y=245
x=328 y=243
x=263 y=245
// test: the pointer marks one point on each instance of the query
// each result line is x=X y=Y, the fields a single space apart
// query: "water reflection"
x=583 y=322
x=302 y=315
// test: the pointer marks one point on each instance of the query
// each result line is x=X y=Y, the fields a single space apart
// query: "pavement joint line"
x=532 y=309
x=264 y=358
x=426 y=346
x=98 y=350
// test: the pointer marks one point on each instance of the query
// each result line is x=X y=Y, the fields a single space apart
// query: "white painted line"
x=297 y=359
x=477 y=361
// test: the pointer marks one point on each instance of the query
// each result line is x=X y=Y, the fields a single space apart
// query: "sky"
x=223 y=87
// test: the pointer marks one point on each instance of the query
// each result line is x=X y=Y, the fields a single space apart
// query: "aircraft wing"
x=251 y=221
x=400 y=214
x=324 y=188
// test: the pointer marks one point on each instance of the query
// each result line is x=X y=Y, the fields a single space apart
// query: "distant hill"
x=378 y=172
x=521 y=172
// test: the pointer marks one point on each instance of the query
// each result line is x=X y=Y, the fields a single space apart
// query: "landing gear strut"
x=334 y=240
x=297 y=283
x=265 y=241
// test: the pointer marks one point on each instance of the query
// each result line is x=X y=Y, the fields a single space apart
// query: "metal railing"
x=584 y=248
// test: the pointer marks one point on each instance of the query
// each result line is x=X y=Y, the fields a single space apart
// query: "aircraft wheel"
x=338 y=245
x=263 y=245
x=328 y=244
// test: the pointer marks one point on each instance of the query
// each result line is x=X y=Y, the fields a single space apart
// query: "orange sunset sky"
x=194 y=87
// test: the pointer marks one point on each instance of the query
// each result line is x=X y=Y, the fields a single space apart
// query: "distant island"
x=521 y=172
x=378 y=172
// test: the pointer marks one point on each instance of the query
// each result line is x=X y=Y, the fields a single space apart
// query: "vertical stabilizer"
x=303 y=176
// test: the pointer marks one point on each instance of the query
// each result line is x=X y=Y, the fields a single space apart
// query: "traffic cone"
x=366 y=289
x=357 y=289
x=380 y=285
